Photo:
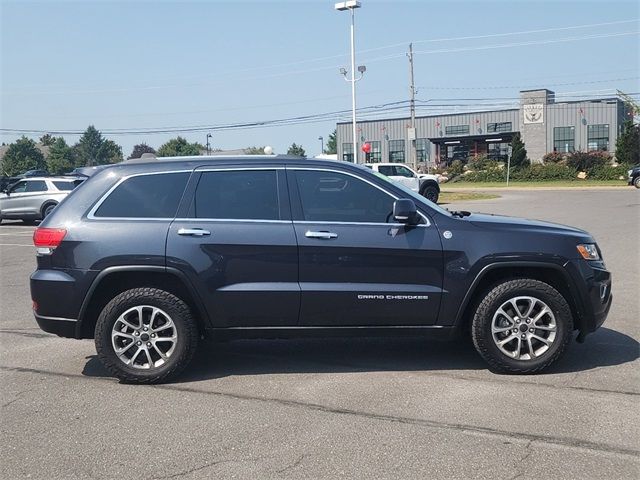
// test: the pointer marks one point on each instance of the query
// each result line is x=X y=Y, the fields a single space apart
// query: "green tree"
x=518 y=152
x=296 y=150
x=47 y=140
x=331 y=148
x=628 y=144
x=177 y=147
x=22 y=155
x=94 y=149
x=60 y=157
x=254 y=150
x=141 y=148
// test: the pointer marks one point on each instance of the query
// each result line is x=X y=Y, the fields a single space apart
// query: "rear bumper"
x=63 y=327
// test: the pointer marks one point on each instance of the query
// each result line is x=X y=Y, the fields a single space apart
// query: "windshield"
x=410 y=193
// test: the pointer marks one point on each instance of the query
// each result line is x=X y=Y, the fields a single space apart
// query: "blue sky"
x=135 y=65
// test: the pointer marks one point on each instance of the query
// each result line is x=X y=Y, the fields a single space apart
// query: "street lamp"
x=321 y=138
x=343 y=6
x=208 y=144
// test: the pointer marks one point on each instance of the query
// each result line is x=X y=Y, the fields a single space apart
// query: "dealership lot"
x=353 y=408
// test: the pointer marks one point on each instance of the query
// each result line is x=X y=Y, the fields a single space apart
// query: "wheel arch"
x=45 y=205
x=429 y=183
x=492 y=274
x=114 y=280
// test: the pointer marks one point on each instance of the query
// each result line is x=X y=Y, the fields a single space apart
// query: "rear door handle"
x=322 y=235
x=193 y=232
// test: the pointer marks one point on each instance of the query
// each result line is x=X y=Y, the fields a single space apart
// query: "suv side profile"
x=33 y=198
x=424 y=184
x=152 y=256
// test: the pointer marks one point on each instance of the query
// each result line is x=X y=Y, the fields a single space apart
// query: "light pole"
x=321 y=138
x=208 y=144
x=342 y=6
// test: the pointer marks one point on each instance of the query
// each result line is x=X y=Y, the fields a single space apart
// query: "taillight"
x=47 y=239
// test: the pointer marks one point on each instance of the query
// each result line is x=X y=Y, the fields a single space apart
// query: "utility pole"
x=411 y=134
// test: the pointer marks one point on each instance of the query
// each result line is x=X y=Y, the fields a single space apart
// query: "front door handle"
x=322 y=235
x=193 y=232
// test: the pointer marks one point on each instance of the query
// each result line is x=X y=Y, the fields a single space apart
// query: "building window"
x=498 y=151
x=564 y=139
x=375 y=154
x=396 y=151
x=598 y=137
x=499 y=127
x=457 y=130
x=347 y=152
x=422 y=149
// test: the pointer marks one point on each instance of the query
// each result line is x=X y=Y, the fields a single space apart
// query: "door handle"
x=193 y=232
x=322 y=235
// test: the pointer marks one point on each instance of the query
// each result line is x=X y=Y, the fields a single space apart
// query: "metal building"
x=545 y=125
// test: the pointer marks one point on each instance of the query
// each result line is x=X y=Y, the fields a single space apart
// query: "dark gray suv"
x=147 y=258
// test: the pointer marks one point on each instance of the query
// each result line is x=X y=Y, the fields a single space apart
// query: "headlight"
x=630 y=172
x=588 y=251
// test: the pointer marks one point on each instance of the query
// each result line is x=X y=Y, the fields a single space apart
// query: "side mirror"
x=404 y=211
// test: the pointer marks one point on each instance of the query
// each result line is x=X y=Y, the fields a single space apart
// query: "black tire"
x=47 y=209
x=483 y=338
x=431 y=193
x=636 y=182
x=185 y=328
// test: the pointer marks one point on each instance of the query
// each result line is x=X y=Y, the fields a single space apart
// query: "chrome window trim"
x=375 y=224
x=223 y=220
x=91 y=214
x=233 y=169
x=325 y=222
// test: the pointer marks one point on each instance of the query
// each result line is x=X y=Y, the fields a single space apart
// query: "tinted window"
x=145 y=196
x=404 y=172
x=246 y=195
x=64 y=186
x=387 y=170
x=36 y=186
x=329 y=196
x=19 y=187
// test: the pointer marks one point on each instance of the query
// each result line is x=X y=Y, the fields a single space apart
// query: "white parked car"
x=34 y=198
x=425 y=184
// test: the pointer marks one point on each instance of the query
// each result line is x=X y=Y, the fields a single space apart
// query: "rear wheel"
x=48 y=209
x=146 y=335
x=431 y=193
x=522 y=326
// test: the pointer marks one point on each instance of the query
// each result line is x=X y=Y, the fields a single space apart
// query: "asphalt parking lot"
x=356 y=408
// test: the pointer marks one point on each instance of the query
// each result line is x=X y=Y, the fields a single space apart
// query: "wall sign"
x=533 y=113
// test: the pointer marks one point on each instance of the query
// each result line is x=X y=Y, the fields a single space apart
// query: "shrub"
x=540 y=172
x=609 y=172
x=588 y=161
x=518 y=153
x=555 y=157
x=456 y=168
x=477 y=162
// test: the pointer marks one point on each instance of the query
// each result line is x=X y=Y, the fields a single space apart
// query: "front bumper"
x=592 y=293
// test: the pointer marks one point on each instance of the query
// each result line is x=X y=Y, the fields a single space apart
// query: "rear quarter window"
x=145 y=196
x=64 y=186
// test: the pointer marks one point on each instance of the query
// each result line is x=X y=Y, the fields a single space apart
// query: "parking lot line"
x=16 y=245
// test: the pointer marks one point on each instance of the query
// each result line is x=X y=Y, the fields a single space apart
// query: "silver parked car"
x=34 y=198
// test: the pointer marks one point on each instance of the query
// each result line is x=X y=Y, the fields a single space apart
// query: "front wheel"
x=522 y=326
x=636 y=182
x=146 y=335
x=431 y=193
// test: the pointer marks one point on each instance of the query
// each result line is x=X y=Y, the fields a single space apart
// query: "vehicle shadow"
x=347 y=355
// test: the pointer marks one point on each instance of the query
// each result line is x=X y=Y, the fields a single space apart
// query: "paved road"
x=334 y=408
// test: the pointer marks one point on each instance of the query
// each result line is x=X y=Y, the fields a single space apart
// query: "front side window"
x=422 y=149
x=238 y=195
x=19 y=187
x=336 y=197
x=598 y=137
x=404 y=172
x=457 y=130
x=347 y=152
x=145 y=196
x=36 y=186
x=564 y=139
x=396 y=151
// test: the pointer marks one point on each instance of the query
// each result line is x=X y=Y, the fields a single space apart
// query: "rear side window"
x=64 y=186
x=36 y=186
x=145 y=196
x=387 y=170
x=238 y=195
